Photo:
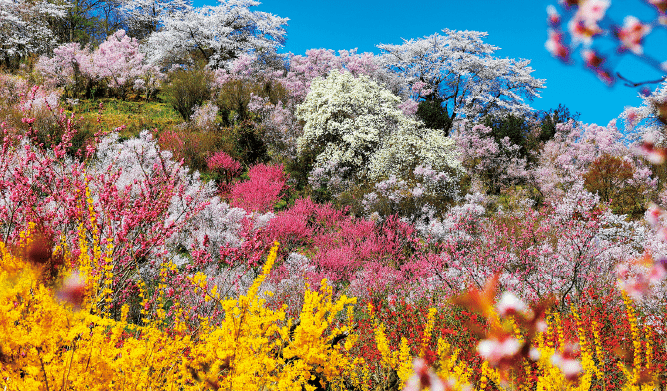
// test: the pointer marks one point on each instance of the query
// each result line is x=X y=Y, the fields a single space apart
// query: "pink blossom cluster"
x=222 y=161
x=264 y=187
x=569 y=155
x=494 y=163
x=117 y=62
x=589 y=22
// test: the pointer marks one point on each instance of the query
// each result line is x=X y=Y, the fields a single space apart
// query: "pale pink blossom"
x=592 y=58
x=510 y=304
x=570 y=367
x=556 y=47
x=592 y=11
x=495 y=351
x=553 y=17
x=632 y=33
x=423 y=378
x=73 y=290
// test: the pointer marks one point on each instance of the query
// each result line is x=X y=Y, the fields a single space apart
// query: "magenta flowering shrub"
x=265 y=187
x=129 y=193
x=224 y=164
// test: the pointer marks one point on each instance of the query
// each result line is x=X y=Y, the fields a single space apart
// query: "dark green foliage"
x=553 y=117
x=434 y=115
x=511 y=126
x=188 y=88
x=250 y=148
x=234 y=96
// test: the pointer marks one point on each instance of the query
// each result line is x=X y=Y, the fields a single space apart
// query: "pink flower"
x=582 y=32
x=631 y=34
x=73 y=290
x=631 y=117
x=592 y=58
x=222 y=161
x=553 y=17
x=661 y=5
x=423 y=378
x=510 y=304
x=584 y=24
x=556 y=47
x=604 y=75
x=652 y=153
x=592 y=11
x=638 y=283
x=570 y=367
x=496 y=351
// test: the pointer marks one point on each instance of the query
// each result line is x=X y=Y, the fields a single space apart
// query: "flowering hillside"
x=186 y=210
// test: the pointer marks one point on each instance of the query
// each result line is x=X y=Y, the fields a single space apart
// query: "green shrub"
x=188 y=88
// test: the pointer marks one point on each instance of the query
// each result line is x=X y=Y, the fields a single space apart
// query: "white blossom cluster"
x=356 y=123
x=461 y=69
x=221 y=33
x=24 y=26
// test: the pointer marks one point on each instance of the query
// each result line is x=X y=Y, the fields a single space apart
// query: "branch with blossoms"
x=588 y=22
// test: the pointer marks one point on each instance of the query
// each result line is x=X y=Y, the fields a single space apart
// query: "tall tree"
x=217 y=34
x=460 y=70
x=144 y=17
x=25 y=28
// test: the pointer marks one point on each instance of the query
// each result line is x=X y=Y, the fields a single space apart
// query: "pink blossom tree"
x=262 y=190
x=119 y=61
x=494 y=163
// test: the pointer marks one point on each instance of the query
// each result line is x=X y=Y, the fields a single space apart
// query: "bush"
x=613 y=179
x=234 y=96
x=188 y=88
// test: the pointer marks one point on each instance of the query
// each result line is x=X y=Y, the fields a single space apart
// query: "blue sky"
x=518 y=27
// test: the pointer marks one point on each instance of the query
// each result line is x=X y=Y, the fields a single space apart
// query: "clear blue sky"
x=518 y=27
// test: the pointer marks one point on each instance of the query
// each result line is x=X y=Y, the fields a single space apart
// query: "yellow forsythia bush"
x=45 y=344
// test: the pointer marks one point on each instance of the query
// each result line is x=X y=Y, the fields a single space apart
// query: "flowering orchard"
x=332 y=221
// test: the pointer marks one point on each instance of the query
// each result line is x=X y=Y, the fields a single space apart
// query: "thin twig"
x=633 y=84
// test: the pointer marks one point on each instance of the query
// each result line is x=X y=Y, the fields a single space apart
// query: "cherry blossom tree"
x=70 y=67
x=460 y=71
x=215 y=33
x=25 y=28
x=118 y=59
x=569 y=156
x=144 y=17
x=495 y=163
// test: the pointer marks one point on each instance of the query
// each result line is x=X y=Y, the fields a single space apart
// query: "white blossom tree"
x=25 y=29
x=355 y=124
x=143 y=17
x=460 y=71
x=218 y=34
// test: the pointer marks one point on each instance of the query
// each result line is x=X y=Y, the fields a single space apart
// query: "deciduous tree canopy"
x=461 y=70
